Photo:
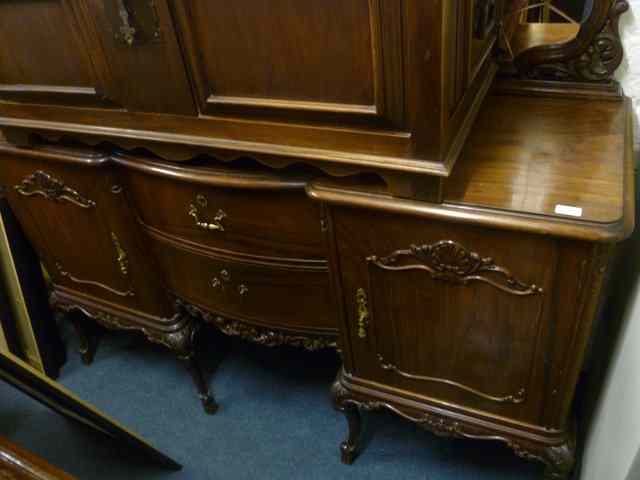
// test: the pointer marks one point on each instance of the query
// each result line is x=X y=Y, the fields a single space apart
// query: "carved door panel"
x=77 y=219
x=448 y=313
x=48 y=55
x=305 y=59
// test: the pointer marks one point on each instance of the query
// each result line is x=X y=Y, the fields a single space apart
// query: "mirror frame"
x=592 y=56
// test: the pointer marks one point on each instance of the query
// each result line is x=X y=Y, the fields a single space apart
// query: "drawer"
x=254 y=213
x=277 y=295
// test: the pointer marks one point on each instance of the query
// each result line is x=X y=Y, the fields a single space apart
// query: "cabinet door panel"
x=44 y=54
x=454 y=313
x=319 y=57
x=78 y=219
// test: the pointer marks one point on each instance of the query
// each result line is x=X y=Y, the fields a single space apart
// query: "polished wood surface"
x=262 y=214
x=374 y=85
x=50 y=61
x=530 y=156
x=499 y=185
x=78 y=202
x=274 y=294
x=71 y=200
x=300 y=175
x=17 y=463
x=459 y=328
x=433 y=297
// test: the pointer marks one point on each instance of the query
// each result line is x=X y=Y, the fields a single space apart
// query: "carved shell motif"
x=451 y=262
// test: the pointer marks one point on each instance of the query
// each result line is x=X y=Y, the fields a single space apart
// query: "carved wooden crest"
x=449 y=261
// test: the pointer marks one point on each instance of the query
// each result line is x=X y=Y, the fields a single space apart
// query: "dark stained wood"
x=236 y=57
x=357 y=86
x=49 y=60
x=149 y=75
x=278 y=295
x=71 y=201
x=575 y=158
x=463 y=331
x=98 y=221
x=17 y=463
x=460 y=296
x=510 y=180
x=472 y=319
x=264 y=214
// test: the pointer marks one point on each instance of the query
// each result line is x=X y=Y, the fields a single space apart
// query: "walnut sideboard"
x=330 y=174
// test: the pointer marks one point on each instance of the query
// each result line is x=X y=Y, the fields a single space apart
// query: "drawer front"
x=277 y=296
x=454 y=314
x=259 y=222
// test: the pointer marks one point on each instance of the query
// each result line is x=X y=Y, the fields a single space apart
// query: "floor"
x=275 y=421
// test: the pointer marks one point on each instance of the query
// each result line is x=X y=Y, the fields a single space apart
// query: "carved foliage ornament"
x=451 y=262
x=559 y=459
x=598 y=62
x=49 y=187
x=179 y=340
x=260 y=335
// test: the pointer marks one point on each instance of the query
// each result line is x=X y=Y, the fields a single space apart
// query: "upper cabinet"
x=349 y=85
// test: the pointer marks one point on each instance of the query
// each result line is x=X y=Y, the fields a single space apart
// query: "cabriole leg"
x=87 y=335
x=350 y=448
x=206 y=398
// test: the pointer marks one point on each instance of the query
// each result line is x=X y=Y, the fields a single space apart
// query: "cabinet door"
x=47 y=54
x=310 y=59
x=75 y=214
x=142 y=50
x=449 y=313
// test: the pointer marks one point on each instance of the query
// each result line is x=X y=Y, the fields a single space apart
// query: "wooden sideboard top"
x=525 y=157
x=532 y=154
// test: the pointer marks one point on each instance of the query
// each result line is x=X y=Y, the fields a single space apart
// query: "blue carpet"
x=276 y=421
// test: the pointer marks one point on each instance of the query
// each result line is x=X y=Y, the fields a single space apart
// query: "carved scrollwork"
x=518 y=398
x=559 y=458
x=260 y=335
x=49 y=187
x=451 y=262
x=598 y=62
x=179 y=341
x=63 y=273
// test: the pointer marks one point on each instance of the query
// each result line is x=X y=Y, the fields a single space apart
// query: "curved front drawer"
x=277 y=295
x=260 y=214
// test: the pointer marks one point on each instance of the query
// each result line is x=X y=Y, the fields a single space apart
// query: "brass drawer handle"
x=363 y=312
x=225 y=278
x=215 y=226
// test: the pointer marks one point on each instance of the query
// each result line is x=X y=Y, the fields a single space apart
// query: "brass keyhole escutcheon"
x=363 y=313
